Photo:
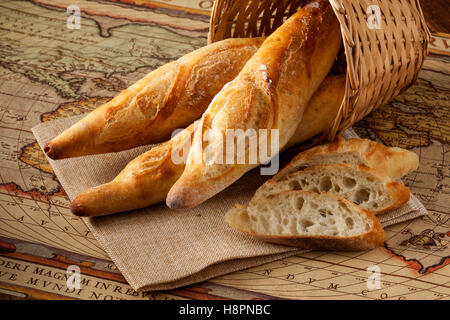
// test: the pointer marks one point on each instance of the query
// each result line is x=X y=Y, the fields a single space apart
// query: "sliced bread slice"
x=309 y=220
x=390 y=162
x=358 y=184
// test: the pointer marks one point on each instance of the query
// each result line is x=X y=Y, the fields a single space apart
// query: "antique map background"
x=48 y=71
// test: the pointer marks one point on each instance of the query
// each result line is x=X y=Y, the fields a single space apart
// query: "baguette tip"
x=78 y=210
x=176 y=200
x=50 y=151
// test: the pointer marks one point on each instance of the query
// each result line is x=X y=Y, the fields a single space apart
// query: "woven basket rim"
x=403 y=41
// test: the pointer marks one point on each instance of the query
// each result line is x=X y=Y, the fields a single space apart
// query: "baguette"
x=143 y=182
x=271 y=92
x=170 y=97
x=125 y=193
x=389 y=162
x=321 y=111
x=355 y=183
x=309 y=220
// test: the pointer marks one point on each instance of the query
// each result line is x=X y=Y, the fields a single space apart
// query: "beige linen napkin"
x=156 y=248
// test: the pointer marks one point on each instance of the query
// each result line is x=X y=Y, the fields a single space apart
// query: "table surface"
x=48 y=71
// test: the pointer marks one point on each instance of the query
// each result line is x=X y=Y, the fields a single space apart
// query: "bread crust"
x=168 y=98
x=373 y=238
x=389 y=162
x=143 y=182
x=401 y=195
x=321 y=111
x=271 y=92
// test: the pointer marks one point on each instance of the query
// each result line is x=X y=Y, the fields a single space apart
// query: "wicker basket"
x=380 y=63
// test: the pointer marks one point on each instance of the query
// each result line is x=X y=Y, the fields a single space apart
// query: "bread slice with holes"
x=309 y=220
x=390 y=162
x=358 y=184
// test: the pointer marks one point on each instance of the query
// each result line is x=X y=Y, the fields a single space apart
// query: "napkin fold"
x=156 y=248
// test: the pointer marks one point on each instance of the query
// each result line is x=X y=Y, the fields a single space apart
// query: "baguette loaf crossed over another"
x=168 y=98
x=357 y=184
x=271 y=92
x=147 y=179
x=309 y=220
x=143 y=182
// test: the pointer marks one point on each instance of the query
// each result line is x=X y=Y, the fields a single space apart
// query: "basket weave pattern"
x=380 y=63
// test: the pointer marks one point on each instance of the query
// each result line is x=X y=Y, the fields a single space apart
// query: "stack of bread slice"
x=328 y=196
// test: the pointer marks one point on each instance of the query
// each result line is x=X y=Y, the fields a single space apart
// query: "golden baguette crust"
x=124 y=192
x=237 y=218
x=143 y=182
x=321 y=111
x=401 y=194
x=390 y=162
x=397 y=191
x=170 y=97
x=271 y=92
